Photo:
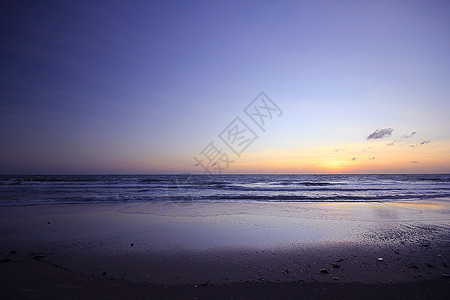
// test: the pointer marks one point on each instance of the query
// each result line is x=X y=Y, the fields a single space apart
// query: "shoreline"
x=216 y=246
x=187 y=203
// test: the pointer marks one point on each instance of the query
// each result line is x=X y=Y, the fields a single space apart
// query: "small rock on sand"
x=324 y=271
x=39 y=256
x=380 y=259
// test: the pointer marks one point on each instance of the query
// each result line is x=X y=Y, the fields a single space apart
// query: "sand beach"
x=226 y=250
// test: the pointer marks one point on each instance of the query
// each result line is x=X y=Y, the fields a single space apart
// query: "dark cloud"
x=414 y=162
x=424 y=142
x=354 y=158
x=380 y=133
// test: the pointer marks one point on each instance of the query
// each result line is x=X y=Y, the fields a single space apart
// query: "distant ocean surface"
x=33 y=190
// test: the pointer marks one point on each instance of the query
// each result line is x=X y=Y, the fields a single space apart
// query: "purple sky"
x=140 y=87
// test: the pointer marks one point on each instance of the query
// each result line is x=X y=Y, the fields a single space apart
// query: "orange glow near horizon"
x=373 y=157
x=354 y=158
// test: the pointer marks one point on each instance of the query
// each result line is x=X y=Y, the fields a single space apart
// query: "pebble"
x=380 y=259
x=324 y=271
x=39 y=256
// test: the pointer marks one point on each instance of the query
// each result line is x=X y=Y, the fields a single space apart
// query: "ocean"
x=185 y=188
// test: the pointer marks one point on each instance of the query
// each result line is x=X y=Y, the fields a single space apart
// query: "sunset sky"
x=140 y=87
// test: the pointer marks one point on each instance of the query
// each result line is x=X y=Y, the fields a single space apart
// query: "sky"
x=95 y=87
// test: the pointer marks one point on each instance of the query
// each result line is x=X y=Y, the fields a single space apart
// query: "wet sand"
x=239 y=250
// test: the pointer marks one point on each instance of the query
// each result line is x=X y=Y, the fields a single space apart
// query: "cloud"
x=354 y=158
x=414 y=162
x=400 y=140
x=409 y=136
x=380 y=133
x=339 y=150
x=417 y=145
x=371 y=157
x=396 y=141
x=393 y=142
